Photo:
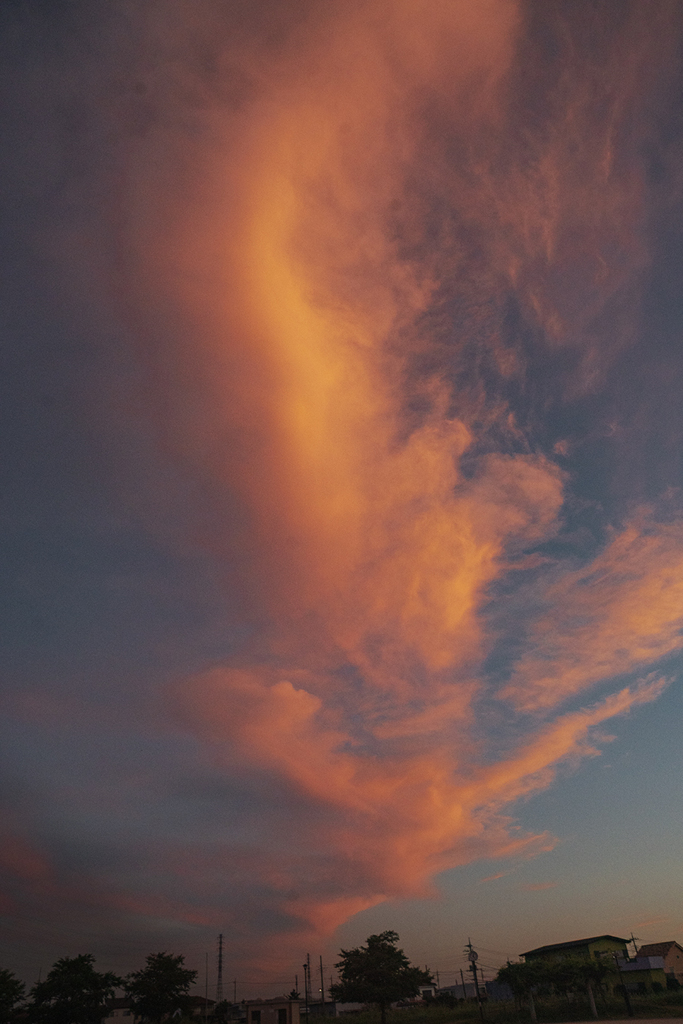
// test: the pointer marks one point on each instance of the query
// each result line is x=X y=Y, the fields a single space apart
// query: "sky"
x=341 y=481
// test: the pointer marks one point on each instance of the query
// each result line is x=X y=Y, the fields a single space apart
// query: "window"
x=255 y=1017
x=282 y=1016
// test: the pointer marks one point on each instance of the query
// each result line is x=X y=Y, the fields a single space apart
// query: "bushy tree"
x=565 y=973
x=11 y=992
x=522 y=978
x=377 y=973
x=597 y=969
x=446 y=999
x=72 y=993
x=562 y=974
x=161 y=987
x=575 y=973
x=590 y=971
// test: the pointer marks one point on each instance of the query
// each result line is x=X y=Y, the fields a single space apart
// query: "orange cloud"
x=621 y=612
x=399 y=816
x=651 y=921
x=380 y=485
x=494 y=878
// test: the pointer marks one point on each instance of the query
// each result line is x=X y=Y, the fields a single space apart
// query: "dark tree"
x=72 y=993
x=11 y=992
x=522 y=978
x=161 y=987
x=572 y=973
x=377 y=973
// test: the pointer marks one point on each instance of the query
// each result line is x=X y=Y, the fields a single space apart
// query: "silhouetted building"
x=598 y=945
x=117 y=1009
x=672 y=955
x=641 y=974
x=273 y=1011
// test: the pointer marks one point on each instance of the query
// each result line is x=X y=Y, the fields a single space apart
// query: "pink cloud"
x=493 y=878
x=373 y=546
x=369 y=490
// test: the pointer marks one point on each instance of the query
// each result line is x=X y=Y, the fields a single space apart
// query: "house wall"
x=457 y=991
x=606 y=946
x=673 y=962
x=557 y=954
x=671 y=953
x=597 y=946
x=119 y=1014
x=273 y=1011
x=633 y=979
x=497 y=992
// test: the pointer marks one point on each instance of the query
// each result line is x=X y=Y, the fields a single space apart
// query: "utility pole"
x=633 y=942
x=322 y=987
x=464 y=990
x=629 y=1008
x=438 y=983
x=206 y=987
x=219 y=979
x=473 y=956
x=307 y=973
x=234 y=991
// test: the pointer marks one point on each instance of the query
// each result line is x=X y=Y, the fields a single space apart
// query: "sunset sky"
x=342 y=480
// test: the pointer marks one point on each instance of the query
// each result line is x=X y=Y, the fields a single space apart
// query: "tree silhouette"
x=11 y=992
x=161 y=987
x=377 y=973
x=72 y=993
x=564 y=974
x=522 y=978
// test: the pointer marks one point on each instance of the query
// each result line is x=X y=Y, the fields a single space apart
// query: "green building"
x=637 y=974
x=598 y=945
x=643 y=974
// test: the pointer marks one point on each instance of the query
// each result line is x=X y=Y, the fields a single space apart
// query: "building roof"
x=277 y=999
x=573 y=943
x=657 y=948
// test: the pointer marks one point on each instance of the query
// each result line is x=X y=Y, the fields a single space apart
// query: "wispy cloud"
x=611 y=617
x=651 y=921
x=385 y=480
x=493 y=878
